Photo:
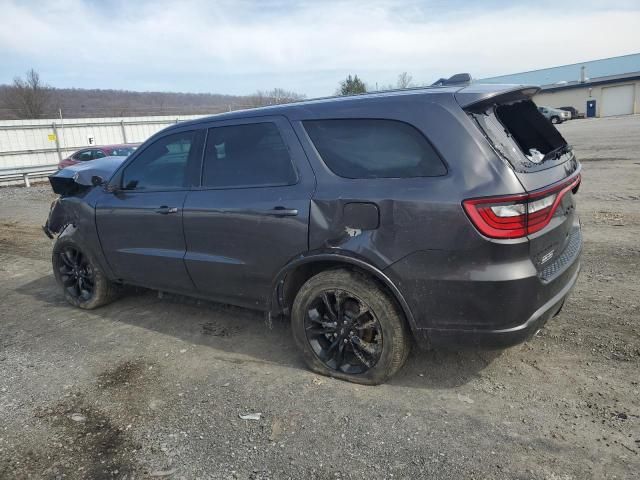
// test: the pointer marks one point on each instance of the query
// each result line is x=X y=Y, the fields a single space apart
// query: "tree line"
x=30 y=97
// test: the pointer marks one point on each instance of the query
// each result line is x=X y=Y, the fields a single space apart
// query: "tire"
x=83 y=282
x=555 y=120
x=378 y=351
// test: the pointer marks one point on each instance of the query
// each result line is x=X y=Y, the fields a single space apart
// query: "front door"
x=140 y=223
x=251 y=215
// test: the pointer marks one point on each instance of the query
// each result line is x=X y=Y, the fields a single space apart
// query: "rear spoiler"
x=454 y=80
x=479 y=95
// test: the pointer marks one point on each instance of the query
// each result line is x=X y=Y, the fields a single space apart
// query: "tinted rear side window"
x=373 y=148
x=247 y=156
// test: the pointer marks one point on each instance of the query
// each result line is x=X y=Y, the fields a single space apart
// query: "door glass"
x=163 y=164
x=98 y=154
x=247 y=155
x=84 y=156
x=374 y=148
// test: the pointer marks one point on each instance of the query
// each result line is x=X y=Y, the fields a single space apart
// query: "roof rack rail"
x=457 y=79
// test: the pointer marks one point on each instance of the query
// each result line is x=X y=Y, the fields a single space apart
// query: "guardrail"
x=24 y=173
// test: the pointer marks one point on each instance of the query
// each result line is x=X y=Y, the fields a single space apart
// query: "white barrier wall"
x=26 y=143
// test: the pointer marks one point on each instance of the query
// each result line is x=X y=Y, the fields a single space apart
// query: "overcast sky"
x=238 y=47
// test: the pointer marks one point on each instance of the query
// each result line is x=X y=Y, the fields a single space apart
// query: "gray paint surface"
x=232 y=245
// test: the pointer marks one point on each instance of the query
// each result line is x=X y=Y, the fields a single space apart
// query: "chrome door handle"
x=283 y=212
x=164 y=210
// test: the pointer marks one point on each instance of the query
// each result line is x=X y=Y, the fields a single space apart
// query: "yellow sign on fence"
x=52 y=137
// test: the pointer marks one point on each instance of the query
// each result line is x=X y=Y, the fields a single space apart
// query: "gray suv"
x=555 y=115
x=432 y=216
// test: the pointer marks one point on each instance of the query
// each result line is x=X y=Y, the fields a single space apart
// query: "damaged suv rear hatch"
x=545 y=165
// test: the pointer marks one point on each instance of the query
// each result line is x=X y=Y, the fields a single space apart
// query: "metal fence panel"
x=46 y=141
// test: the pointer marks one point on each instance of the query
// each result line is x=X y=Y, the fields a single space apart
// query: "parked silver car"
x=555 y=115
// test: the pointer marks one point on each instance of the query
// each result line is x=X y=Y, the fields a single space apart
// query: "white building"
x=597 y=88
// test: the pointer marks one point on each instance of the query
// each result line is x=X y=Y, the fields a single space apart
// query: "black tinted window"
x=370 y=148
x=247 y=155
x=122 y=151
x=84 y=156
x=163 y=164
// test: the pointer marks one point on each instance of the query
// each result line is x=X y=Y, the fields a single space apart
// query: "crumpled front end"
x=73 y=184
x=60 y=215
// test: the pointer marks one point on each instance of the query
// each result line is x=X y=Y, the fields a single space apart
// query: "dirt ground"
x=153 y=387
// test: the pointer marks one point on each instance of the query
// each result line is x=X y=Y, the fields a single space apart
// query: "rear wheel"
x=348 y=327
x=82 y=280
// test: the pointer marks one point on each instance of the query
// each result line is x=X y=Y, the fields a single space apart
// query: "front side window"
x=84 y=155
x=374 y=148
x=247 y=155
x=163 y=164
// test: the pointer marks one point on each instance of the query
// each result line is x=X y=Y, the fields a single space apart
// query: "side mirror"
x=131 y=185
x=97 y=180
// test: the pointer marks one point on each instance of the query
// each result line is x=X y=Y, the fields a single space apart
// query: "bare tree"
x=280 y=95
x=28 y=97
x=276 y=96
x=258 y=99
x=82 y=103
x=404 y=80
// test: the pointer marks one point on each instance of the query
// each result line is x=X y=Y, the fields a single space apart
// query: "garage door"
x=617 y=101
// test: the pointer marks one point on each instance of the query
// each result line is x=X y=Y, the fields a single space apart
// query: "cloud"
x=238 y=47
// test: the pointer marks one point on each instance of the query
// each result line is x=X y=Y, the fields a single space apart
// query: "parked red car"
x=91 y=153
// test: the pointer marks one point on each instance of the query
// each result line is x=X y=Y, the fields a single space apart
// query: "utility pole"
x=64 y=143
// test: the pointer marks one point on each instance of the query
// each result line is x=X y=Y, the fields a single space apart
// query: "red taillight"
x=515 y=216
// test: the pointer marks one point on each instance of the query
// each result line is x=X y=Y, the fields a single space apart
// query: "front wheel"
x=348 y=327
x=555 y=120
x=83 y=282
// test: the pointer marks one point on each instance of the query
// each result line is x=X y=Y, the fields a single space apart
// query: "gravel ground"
x=153 y=387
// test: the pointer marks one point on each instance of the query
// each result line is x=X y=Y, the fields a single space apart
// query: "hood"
x=77 y=177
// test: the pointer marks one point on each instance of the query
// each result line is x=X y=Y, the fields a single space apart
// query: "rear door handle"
x=164 y=210
x=283 y=212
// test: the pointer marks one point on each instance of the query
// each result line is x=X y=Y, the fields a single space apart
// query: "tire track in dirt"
x=27 y=241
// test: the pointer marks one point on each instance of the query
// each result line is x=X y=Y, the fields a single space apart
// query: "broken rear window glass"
x=522 y=135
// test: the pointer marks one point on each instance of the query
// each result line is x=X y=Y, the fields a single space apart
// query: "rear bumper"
x=495 y=302
x=506 y=337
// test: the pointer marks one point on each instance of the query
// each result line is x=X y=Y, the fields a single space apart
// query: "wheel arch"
x=87 y=240
x=291 y=277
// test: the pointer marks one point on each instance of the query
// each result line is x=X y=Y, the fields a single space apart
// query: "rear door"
x=250 y=216
x=140 y=223
x=544 y=164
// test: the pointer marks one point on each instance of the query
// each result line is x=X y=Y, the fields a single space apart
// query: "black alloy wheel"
x=76 y=274
x=343 y=332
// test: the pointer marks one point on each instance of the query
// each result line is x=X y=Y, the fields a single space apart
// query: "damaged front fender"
x=72 y=184
x=59 y=217
x=73 y=216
